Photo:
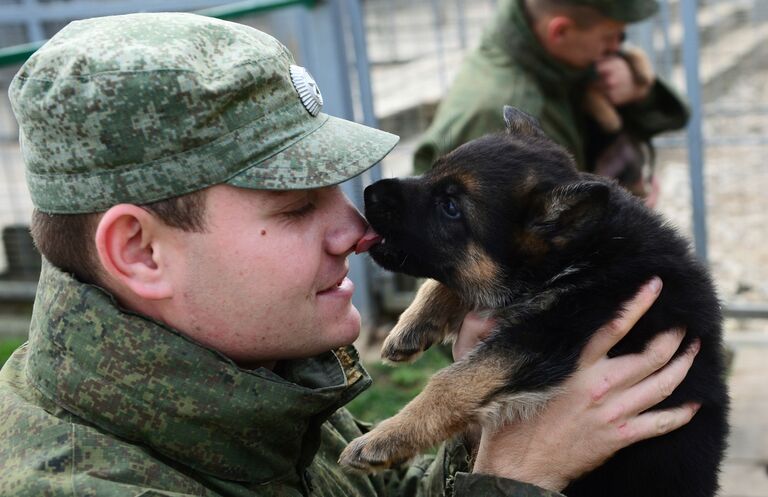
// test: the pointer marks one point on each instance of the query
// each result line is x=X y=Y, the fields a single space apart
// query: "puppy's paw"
x=406 y=343
x=371 y=453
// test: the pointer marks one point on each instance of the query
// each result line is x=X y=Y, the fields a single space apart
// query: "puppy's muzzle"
x=383 y=201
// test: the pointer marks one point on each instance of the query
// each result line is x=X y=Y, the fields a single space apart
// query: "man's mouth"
x=369 y=239
x=342 y=282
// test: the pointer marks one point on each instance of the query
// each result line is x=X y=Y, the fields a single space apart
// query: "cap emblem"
x=309 y=93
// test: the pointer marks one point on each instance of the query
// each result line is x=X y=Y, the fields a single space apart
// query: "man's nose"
x=349 y=228
x=616 y=42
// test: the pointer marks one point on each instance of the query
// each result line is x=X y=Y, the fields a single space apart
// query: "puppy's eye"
x=450 y=209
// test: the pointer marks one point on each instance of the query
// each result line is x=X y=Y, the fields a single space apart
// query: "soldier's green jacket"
x=510 y=67
x=104 y=402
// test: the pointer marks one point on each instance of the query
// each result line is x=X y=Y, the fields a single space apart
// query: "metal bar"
x=58 y=11
x=362 y=64
x=439 y=42
x=694 y=131
x=65 y=10
x=17 y=291
x=11 y=194
x=19 y=53
x=394 y=55
x=34 y=26
x=461 y=11
x=360 y=45
x=754 y=109
x=666 y=25
x=248 y=7
x=713 y=141
x=746 y=311
x=35 y=30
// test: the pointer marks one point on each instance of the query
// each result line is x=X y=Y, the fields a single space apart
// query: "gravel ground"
x=736 y=188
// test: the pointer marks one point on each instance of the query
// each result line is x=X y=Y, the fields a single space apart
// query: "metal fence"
x=390 y=61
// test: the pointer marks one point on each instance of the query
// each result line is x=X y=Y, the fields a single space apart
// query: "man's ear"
x=557 y=29
x=128 y=249
x=521 y=123
x=568 y=212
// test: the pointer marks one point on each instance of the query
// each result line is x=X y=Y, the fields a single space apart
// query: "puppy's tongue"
x=369 y=239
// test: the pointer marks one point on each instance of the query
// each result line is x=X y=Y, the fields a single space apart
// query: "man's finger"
x=610 y=334
x=654 y=423
x=606 y=64
x=660 y=385
x=628 y=370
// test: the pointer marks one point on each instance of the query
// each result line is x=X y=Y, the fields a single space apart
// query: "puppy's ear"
x=568 y=212
x=521 y=123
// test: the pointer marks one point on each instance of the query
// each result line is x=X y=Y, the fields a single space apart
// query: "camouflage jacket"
x=105 y=402
x=510 y=67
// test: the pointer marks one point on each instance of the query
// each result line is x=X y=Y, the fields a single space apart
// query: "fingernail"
x=696 y=346
x=696 y=406
x=655 y=284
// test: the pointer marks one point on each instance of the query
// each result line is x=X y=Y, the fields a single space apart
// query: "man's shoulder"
x=488 y=84
x=479 y=93
x=48 y=451
x=473 y=105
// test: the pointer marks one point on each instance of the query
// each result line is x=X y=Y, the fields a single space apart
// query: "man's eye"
x=301 y=211
x=450 y=209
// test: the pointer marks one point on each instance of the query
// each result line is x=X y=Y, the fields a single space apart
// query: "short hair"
x=67 y=240
x=583 y=16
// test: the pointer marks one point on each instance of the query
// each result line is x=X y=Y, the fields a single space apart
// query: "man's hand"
x=601 y=407
x=475 y=328
x=654 y=191
x=618 y=82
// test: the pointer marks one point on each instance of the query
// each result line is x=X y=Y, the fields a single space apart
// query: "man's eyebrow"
x=280 y=196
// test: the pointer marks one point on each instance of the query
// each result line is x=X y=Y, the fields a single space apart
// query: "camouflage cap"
x=144 y=107
x=622 y=10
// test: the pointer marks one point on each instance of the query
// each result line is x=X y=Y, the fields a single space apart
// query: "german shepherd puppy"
x=506 y=223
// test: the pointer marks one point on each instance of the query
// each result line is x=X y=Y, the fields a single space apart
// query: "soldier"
x=193 y=324
x=542 y=56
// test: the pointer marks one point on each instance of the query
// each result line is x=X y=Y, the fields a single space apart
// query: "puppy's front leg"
x=452 y=399
x=435 y=313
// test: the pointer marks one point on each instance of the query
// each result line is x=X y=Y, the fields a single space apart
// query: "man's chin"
x=345 y=330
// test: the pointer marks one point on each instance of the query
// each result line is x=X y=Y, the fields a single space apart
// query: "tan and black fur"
x=506 y=224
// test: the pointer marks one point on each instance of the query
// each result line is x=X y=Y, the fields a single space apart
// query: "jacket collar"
x=511 y=38
x=145 y=382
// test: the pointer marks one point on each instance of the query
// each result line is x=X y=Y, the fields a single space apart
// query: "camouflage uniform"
x=510 y=67
x=103 y=401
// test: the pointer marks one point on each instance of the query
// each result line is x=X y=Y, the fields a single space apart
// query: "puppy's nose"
x=384 y=194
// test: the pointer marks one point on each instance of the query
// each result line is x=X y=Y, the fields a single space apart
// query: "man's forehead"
x=612 y=24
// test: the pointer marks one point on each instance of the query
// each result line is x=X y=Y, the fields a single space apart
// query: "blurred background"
x=386 y=63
